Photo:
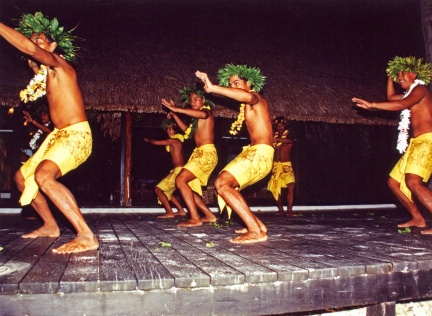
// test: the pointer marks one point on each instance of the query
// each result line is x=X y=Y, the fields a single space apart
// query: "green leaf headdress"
x=252 y=74
x=187 y=91
x=409 y=64
x=280 y=120
x=167 y=122
x=37 y=23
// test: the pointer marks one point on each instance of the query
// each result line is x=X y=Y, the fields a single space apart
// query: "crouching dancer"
x=69 y=144
x=242 y=83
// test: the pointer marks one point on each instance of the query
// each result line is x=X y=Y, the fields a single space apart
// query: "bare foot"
x=241 y=231
x=292 y=214
x=209 y=219
x=426 y=232
x=416 y=223
x=166 y=216
x=249 y=238
x=43 y=231
x=79 y=244
x=180 y=214
x=280 y=213
x=191 y=223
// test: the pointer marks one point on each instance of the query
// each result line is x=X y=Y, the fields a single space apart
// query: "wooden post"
x=128 y=160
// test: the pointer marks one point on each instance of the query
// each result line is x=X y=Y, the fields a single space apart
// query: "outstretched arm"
x=240 y=95
x=162 y=142
x=398 y=105
x=200 y=114
x=29 y=48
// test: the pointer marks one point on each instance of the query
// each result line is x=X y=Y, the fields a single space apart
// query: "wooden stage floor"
x=148 y=266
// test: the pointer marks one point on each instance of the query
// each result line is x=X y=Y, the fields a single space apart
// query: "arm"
x=233 y=93
x=26 y=46
x=199 y=114
x=398 y=105
x=42 y=127
x=163 y=142
x=283 y=140
x=172 y=115
x=391 y=92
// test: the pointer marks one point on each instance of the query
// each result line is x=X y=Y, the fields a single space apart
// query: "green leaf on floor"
x=210 y=244
x=407 y=230
x=163 y=244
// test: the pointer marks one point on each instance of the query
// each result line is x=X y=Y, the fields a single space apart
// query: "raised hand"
x=169 y=104
x=208 y=85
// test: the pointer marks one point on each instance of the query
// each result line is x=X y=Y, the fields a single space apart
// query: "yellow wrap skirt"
x=250 y=166
x=416 y=160
x=167 y=184
x=68 y=148
x=201 y=163
x=282 y=175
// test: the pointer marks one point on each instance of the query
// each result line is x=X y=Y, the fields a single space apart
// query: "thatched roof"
x=316 y=55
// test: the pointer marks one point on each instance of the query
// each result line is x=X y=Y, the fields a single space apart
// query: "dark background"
x=334 y=163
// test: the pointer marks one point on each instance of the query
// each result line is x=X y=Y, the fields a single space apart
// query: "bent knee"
x=392 y=183
x=180 y=182
x=223 y=181
x=158 y=190
x=42 y=177
x=19 y=179
x=413 y=182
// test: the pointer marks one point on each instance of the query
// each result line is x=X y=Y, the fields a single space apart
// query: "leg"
x=209 y=217
x=290 y=198
x=49 y=227
x=165 y=203
x=176 y=202
x=279 y=206
x=188 y=196
x=45 y=176
x=421 y=192
x=417 y=219
x=225 y=186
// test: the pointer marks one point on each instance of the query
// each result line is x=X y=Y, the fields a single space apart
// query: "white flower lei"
x=402 y=142
x=36 y=87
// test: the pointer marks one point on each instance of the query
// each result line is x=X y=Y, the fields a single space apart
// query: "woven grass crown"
x=37 y=23
x=409 y=64
x=187 y=91
x=252 y=74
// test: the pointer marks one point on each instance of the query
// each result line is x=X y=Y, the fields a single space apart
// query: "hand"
x=32 y=64
x=28 y=117
x=169 y=104
x=363 y=104
x=208 y=85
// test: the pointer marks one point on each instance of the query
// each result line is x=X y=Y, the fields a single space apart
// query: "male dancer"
x=204 y=157
x=242 y=83
x=415 y=166
x=69 y=144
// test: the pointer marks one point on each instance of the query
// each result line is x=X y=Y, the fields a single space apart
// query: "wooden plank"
x=254 y=270
x=82 y=271
x=205 y=258
x=45 y=275
x=15 y=269
x=150 y=272
x=186 y=274
x=115 y=272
